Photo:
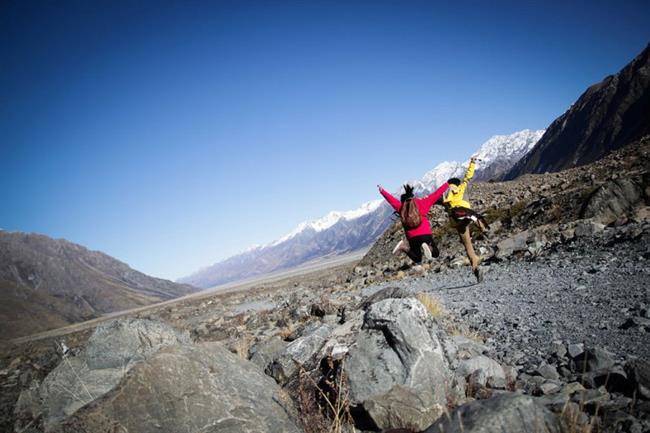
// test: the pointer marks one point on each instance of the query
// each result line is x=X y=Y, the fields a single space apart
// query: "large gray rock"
x=612 y=200
x=263 y=353
x=300 y=351
x=513 y=244
x=593 y=359
x=639 y=373
x=202 y=388
x=110 y=352
x=385 y=293
x=396 y=369
x=119 y=342
x=588 y=228
x=508 y=413
x=490 y=367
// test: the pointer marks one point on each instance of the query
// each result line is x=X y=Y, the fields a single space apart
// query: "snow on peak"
x=330 y=219
x=507 y=146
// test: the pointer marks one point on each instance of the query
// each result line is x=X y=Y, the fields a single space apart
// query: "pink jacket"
x=424 y=204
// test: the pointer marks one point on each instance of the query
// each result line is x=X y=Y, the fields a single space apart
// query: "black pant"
x=415 y=247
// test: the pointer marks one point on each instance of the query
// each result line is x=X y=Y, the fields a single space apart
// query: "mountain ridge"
x=607 y=116
x=62 y=283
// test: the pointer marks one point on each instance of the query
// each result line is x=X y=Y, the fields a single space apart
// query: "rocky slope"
x=60 y=283
x=554 y=339
x=527 y=212
x=343 y=232
x=609 y=115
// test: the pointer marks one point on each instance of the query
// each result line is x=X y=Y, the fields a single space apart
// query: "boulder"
x=300 y=351
x=142 y=375
x=613 y=378
x=588 y=228
x=264 y=352
x=397 y=372
x=481 y=362
x=110 y=352
x=530 y=241
x=459 y=347
x=198 y=388
x=120 y=342
x=612 y=200
x=638 y=371
x=507 y=413
x=593 y=359
x=548 y=371
x=385 y=293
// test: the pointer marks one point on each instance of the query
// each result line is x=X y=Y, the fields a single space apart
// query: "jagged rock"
x=638 y=372
x=549 y=388
x=476 y=381
x=612 y=200
x=481 y=362
x=575 y=349
x=396 y=370
x=507 y=413
x=636 y=322
x=119 y=342
x=401 y=406
x=204 y=388
x=111 y=351
x=300 y=351
x=459 y=347
x=558 y=349
x=263 y=353
x=593 y=359
x=385 y=293
x=613 y=378
x=322 y=308
x=510 y=245
x=548 y=371
x=588 y=228
x=591 y=396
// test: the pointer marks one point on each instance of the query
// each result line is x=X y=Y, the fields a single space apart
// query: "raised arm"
x=469 y=174
x=396 y=204
x=432 y=198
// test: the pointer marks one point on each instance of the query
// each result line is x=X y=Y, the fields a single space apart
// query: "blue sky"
x=174 y=134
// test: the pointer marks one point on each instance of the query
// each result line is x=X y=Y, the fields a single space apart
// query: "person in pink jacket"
x=419 y=239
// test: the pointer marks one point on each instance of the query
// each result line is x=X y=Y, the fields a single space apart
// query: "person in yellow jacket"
x=462 y=215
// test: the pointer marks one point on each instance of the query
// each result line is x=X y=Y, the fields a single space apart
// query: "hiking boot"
x=478 y=273
x=426 y=252
x=399 y=246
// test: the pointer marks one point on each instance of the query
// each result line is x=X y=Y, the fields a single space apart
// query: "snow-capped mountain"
x=343 y=232
x=497 y=155
x=330 y=219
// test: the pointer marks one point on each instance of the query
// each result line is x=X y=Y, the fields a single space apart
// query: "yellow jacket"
x=454 y=196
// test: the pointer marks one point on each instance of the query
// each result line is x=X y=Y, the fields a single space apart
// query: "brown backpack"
x=410 y=214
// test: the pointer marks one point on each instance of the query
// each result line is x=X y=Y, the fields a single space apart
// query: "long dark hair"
x=408 y=193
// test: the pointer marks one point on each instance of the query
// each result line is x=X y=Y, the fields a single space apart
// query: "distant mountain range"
x=343 y=232
x=606 y=117
x=48 y=283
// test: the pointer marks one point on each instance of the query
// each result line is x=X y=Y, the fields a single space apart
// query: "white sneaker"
x=399 y=247
x=426 y=252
